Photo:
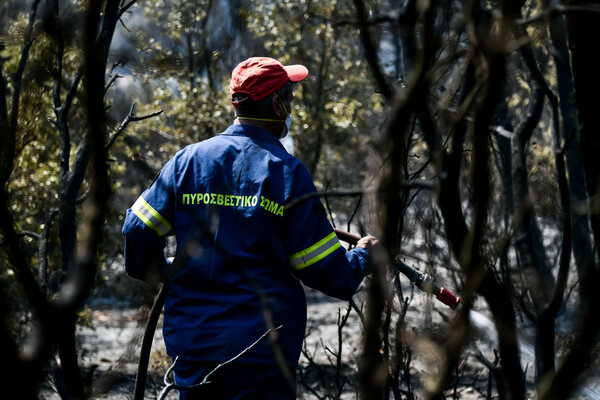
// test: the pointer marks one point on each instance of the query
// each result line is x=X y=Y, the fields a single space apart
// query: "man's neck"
x=274 y=127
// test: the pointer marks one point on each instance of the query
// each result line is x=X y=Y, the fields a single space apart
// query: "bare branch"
x=494 y=371
x=112 y=80
x=19 y=261
x=77 y=173
x=342 y=320
x=123 y=25
x=126 y=7
x=170 y=385
x=359 y=312
x=84 y=196
x=72 y=91
x=17 y=257
x=18 y=79
x=358 y=192
x=389 y=18
x=551 y=12
x=370 y=51
x=30 y=234
x=43 y=251
x=8 y=144
x=131 y=117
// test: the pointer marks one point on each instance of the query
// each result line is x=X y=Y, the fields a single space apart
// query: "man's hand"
x=367 y=242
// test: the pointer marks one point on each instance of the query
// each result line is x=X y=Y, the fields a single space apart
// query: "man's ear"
x=276 y=106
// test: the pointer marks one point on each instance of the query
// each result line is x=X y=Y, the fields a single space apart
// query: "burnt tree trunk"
x=582 y=245
x=582 y=28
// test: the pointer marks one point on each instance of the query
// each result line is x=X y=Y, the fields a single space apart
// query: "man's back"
x=229 y=215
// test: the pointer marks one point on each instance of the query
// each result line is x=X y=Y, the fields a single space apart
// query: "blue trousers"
x=234 y=381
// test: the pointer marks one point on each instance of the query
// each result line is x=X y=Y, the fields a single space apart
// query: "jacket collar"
x=252 y=132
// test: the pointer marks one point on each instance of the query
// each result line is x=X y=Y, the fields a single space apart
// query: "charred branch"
x=555 y=10
x=8 y=123
x=131 y=117
x=371 y=51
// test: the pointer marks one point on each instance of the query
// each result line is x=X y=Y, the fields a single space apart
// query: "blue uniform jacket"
x=249 y=232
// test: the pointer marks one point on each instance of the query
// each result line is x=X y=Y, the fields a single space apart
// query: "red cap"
x=260 y=77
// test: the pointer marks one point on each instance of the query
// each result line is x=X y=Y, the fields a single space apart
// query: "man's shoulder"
x=203 y=145
x=298 y=165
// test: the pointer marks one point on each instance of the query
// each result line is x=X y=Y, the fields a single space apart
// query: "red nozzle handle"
x=346 y=236
x=448 y=298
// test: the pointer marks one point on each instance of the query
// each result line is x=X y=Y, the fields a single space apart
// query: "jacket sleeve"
x=147 y=223
x=315 y=254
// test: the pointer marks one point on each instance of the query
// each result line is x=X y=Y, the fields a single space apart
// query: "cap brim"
x=296 y=72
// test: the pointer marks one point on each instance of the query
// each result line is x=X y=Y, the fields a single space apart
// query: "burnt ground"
x=110 y=347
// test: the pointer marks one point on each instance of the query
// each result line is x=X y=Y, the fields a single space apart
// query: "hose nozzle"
x=448 y=298
x=428 y=284
x=423 y=281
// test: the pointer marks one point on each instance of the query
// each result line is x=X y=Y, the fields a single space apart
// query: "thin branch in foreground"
x=170 y=385
x=33 y=235
x=357 y=192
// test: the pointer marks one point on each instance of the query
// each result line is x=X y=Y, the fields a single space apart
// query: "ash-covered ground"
x=110 y=350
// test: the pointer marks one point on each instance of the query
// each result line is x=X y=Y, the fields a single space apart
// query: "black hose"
x=412 y=274
x=346 y=236
x=142 y=371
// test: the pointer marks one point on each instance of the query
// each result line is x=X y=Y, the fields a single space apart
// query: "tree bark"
x=72 y=177
x=582 y=245
x=582 y=27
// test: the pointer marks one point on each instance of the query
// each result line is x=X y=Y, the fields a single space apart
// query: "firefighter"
x=249 y=231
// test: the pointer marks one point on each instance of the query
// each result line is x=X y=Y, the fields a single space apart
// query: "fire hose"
x=423 y=281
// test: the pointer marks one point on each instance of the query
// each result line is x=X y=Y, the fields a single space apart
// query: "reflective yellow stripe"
x=316 y=252
x=151 y=217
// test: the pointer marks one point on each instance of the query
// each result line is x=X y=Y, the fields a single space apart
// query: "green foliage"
x=543 y=181
x=85 y=318
x=173 y=63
